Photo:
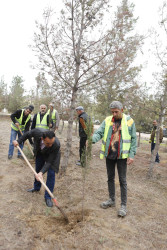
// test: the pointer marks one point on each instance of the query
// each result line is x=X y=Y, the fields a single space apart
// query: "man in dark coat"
x=47 y=153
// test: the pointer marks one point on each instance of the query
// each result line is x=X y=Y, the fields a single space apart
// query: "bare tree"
x=72 y=50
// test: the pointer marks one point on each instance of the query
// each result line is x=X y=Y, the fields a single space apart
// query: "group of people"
x=46 y=145
x=119 y=142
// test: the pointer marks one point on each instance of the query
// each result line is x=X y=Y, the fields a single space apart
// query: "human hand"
x=39 y=176
x=15 y=143
x=130 y=161
x=17 y=124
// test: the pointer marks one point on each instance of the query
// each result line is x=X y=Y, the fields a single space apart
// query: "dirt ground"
x=26 y=222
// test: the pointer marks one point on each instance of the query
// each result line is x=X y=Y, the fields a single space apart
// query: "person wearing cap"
x=153 y=139
x=119 y=142
x=82 y=117
x=41 y=119
x=54 y=117
x=21 y=119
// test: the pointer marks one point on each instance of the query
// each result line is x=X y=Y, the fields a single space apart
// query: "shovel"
x=28 y=144
x=47 y=189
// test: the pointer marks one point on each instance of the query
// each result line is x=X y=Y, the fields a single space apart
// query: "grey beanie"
x=80 y=108
x=116 y=105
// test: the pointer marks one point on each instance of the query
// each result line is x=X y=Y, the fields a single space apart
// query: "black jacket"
x=51 y=155
x=17 y=115
x=41 y=117
x=83 y=117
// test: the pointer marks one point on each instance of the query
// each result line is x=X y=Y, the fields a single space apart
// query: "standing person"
x=54 y=117
x=153 y=139
x=82 y=117
x=41 y=119
x=47 y=153
x=21 y=119
x=118 y=135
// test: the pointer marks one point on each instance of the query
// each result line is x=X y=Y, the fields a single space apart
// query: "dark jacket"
x=35 y=119
x=82 y=124
x=51 y=155
x=17 y=115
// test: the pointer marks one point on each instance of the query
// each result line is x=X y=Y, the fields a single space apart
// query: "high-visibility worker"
x=153 y=139
x=118 y=134
x=41 y=119
x=21 y=119
x=53 y=117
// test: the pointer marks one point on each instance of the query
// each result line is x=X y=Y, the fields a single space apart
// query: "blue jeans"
x=13 y=136
x=157 y=155
x=50 y=182
x=122 y=169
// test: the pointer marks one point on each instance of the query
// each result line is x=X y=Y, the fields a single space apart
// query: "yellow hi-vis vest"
x=22 y=127
x=53 y=115
x=43 y=123
x=154 y=136
x=126 y=137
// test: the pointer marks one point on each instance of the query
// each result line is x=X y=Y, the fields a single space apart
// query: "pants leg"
x=110 y=165
x=50 y=182
x=12 y=138
x=152 y=148
x=39 y=162
x=82 y=146
x=122 y=169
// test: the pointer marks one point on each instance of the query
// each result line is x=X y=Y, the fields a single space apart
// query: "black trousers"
x=122 y=169
x=82 y=145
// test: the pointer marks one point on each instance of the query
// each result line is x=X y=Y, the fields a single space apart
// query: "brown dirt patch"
x=26 y=222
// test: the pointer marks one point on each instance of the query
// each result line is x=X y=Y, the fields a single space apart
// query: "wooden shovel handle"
x=47 y=189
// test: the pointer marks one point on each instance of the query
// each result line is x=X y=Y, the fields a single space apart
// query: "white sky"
x=17 y=25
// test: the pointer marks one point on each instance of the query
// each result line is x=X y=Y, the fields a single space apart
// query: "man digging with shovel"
x=47 y=154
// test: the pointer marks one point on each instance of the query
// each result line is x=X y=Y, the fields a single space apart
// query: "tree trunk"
x=69 y=134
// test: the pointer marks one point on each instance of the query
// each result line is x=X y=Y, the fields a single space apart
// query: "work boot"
x=9 y=157
x=122 y=211
x=108 y=203
x=49 y=202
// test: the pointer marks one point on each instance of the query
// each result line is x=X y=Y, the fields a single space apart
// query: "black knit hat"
x=31 y=107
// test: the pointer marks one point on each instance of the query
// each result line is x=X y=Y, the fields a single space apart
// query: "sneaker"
x=108 y=203
x=9 y=157
x=122 y=211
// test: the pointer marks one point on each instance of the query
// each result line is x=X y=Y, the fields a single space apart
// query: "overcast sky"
x=17 y=25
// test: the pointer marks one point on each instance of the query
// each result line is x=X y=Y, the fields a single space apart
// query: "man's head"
x=51 y=106
x=116 y=109
x=27 y=111
x=43 y=109
x=80 y=110
x=155 y=123
x=31 y=107
x=48 y=138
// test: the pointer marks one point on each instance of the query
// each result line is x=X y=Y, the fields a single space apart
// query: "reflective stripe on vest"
x=43 y=123
x=126 y=138
x=19 y=120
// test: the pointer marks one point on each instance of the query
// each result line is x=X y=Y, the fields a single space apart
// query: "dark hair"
x=49 y=134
